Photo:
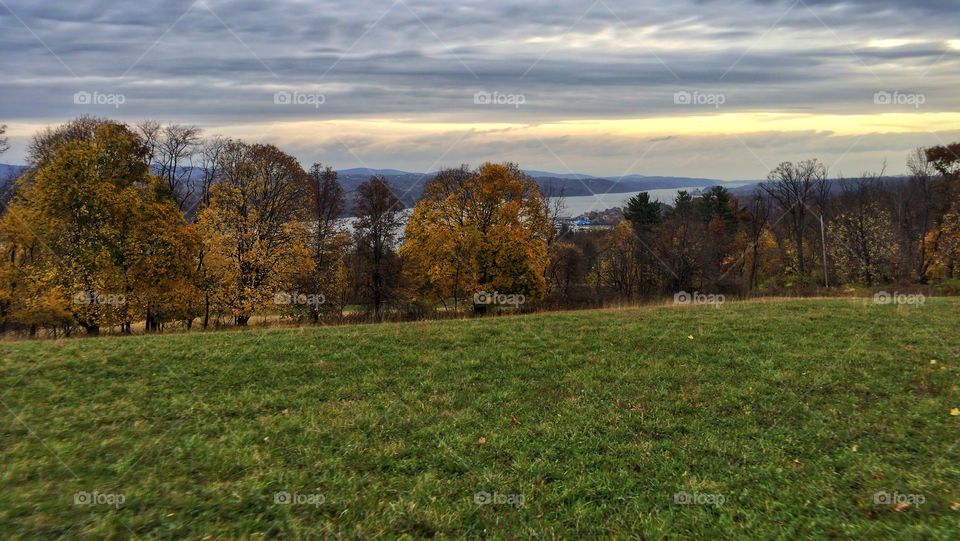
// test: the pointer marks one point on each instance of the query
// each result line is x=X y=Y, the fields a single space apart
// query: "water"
x=581 y=204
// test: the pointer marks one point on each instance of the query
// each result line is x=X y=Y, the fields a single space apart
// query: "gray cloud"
x=218 y=63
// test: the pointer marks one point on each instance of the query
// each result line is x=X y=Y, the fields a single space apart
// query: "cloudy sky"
x=710 y=88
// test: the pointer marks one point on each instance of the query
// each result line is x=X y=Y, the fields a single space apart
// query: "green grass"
x=795 y=412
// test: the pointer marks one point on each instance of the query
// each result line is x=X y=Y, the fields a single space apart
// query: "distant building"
x=578 y=224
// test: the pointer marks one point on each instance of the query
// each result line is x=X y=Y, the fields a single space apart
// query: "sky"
x=723 y=89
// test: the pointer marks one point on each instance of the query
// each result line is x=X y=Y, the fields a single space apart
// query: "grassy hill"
x=783 y=419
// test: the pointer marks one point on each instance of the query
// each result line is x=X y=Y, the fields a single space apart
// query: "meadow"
x=767 y=419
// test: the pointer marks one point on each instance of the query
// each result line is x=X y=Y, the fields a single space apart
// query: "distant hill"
x=370 y=172
x=11 y=171
x=409 y=186
x=538 y=174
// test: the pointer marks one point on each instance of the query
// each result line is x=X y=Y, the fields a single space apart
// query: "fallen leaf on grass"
x=513 y=420
x=900 y=507
x=690 y=337
x=955 y=412
x=955 y=506
x=482 y=440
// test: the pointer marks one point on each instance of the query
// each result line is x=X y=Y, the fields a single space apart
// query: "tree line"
x=798 y=232
x=114 y=226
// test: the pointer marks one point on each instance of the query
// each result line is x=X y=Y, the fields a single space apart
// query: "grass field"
x=779 y=419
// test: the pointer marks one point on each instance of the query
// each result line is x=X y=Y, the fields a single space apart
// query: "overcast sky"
x=585 y=86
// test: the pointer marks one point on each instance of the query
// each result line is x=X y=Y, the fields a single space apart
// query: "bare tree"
x=917 y=209
x=171 y=150
x=325 y=204
x=175 y=151
x=792 y=187
x=554 y=203
x=377 y=230
x=758 y=212
x=150 y=132
x=211 y=152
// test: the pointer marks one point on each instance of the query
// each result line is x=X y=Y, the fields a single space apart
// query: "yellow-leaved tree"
x=92 y=237
x=254 y=230
x=480 y=231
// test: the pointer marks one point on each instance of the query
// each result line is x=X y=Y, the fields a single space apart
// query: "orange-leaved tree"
x=480 y=231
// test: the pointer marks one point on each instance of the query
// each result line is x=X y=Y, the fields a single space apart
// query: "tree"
x=644 y=213
x=211 y=153
x=376 y=233
x=758 y=214
x=254 y=229
x=475 y=231
x=716 y=202
x=792 y=186
x=947 y=245
x=211 y=159
x=93 y=226
x=945 y=159
x=679 y=242
x=916 y=209
x=171 y=151
x=619 y=269
x=327 y=243
x=4 y=144
x=566 y=267
x=45 y=144
x=863 y=247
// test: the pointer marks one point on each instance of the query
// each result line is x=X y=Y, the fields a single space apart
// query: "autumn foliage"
x=121 y=228
x=479 y=231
